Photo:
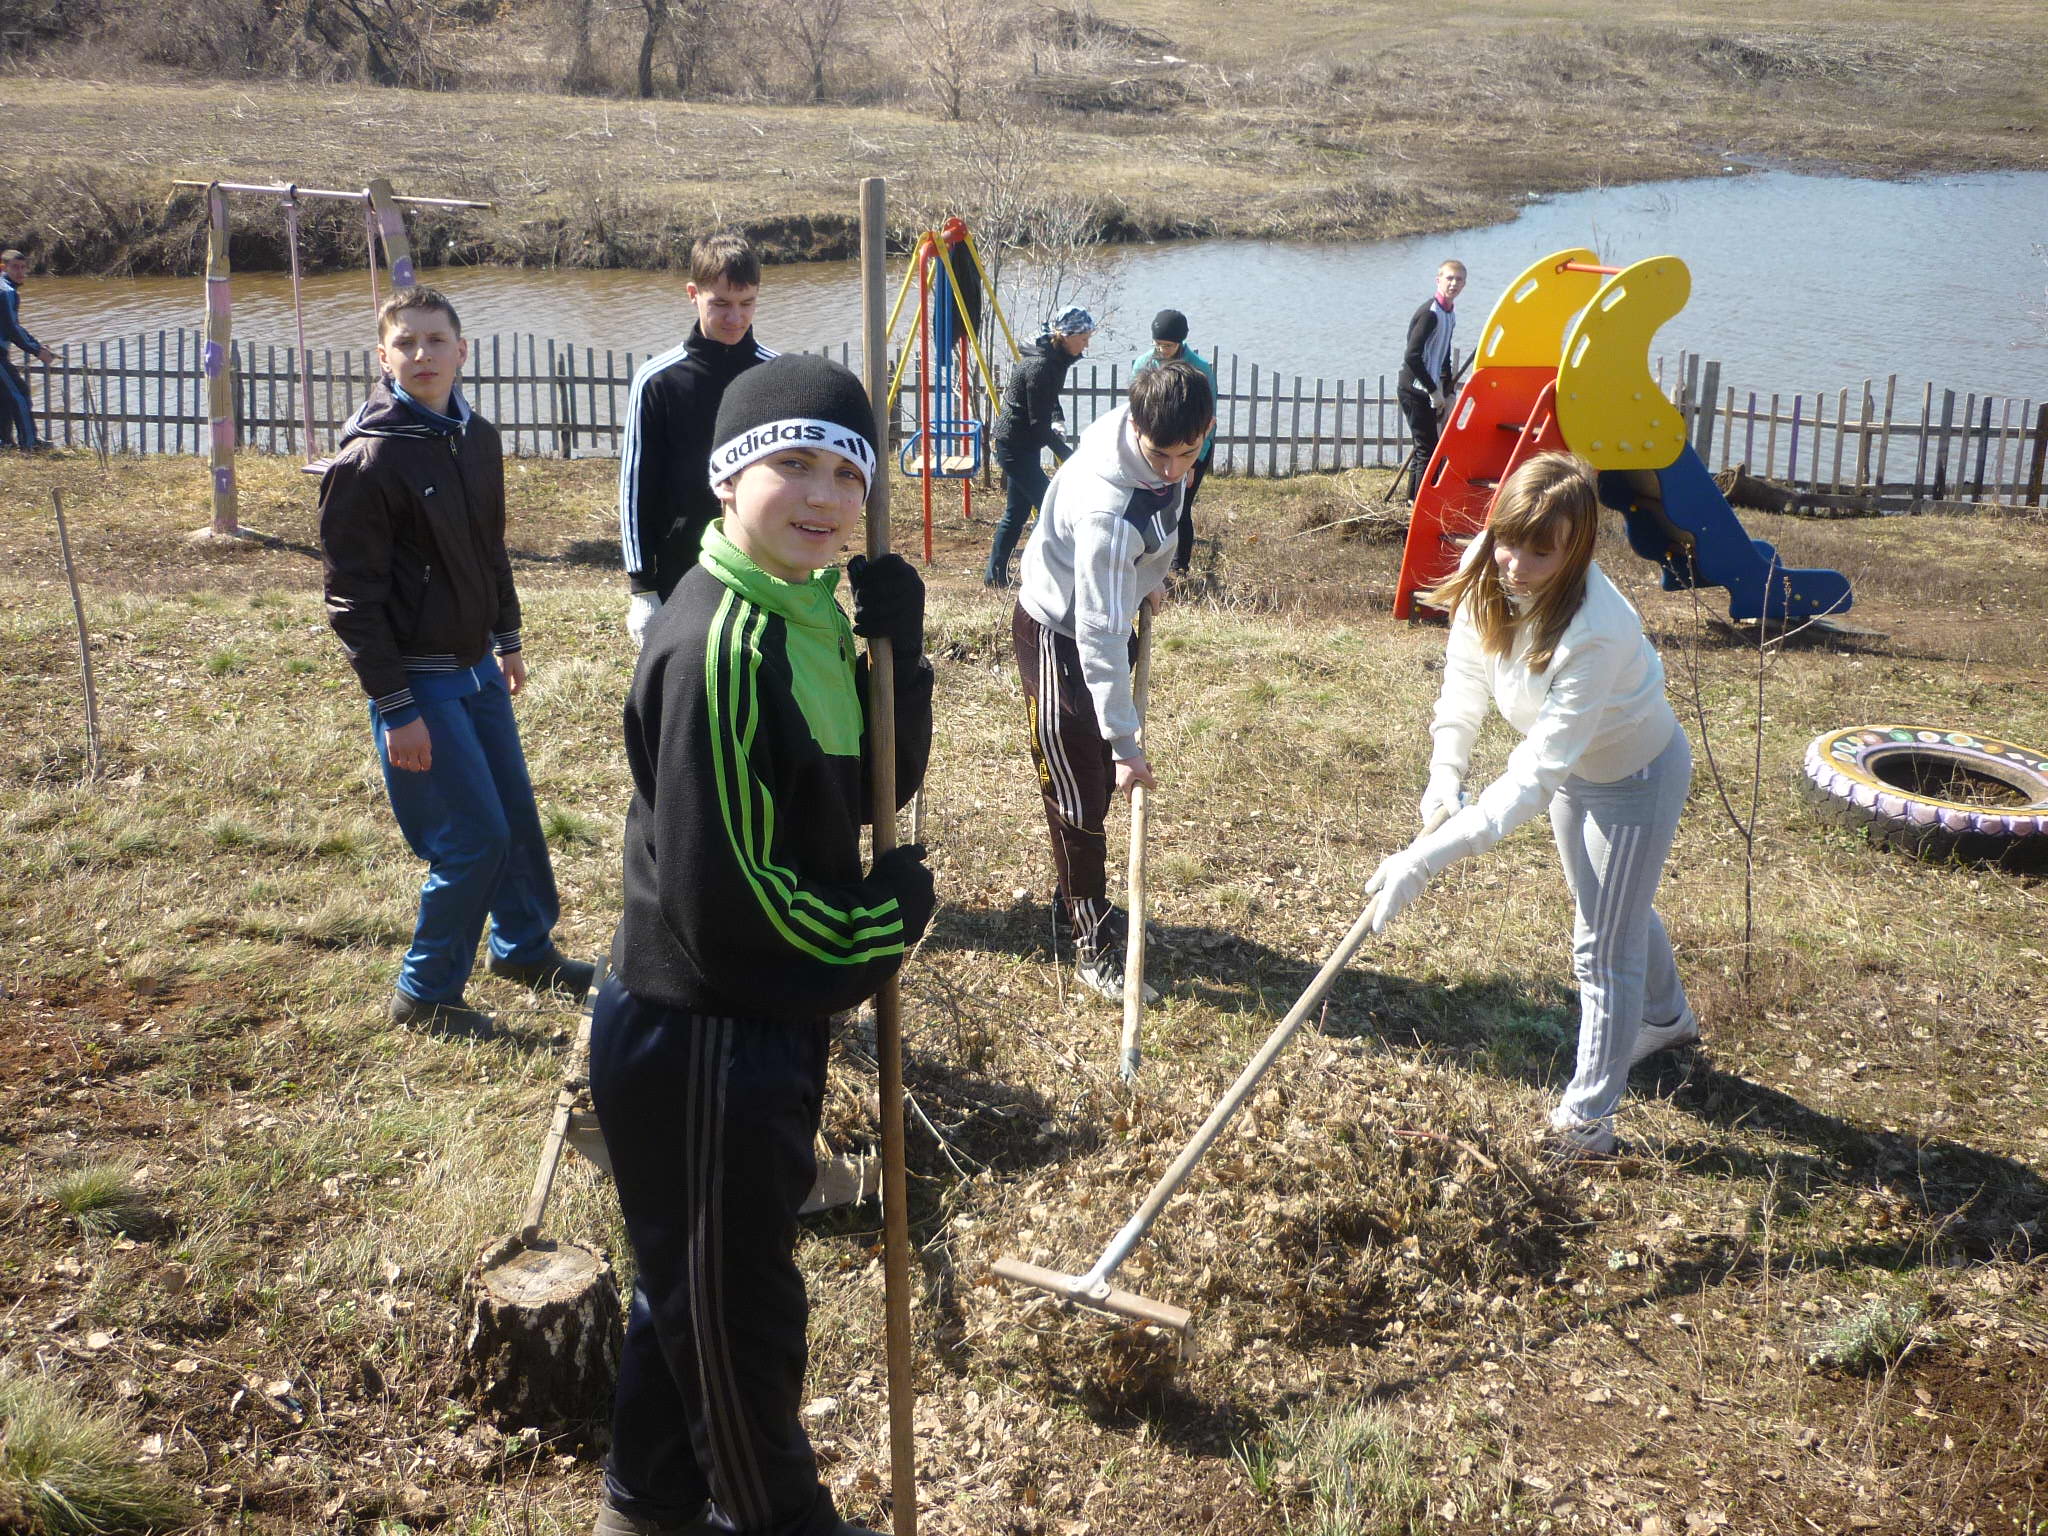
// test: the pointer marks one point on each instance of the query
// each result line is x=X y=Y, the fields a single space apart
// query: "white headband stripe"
x=728 y=459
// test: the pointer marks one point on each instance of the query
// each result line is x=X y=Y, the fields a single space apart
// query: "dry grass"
x=1405 y=1321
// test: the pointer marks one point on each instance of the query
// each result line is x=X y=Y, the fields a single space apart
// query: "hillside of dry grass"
x=1317 y=122
x=237 y=1206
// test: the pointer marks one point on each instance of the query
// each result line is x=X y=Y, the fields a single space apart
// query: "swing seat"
x=962 y=462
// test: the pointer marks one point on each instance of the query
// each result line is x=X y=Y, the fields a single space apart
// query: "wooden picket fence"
x=1868 y=443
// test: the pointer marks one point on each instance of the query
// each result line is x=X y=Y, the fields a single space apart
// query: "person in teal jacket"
x=1169 y=341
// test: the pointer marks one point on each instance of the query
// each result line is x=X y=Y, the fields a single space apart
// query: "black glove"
x=888 y=604
x=902 y=870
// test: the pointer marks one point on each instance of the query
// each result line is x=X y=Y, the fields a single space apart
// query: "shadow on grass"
x=1502 y=1025
x=1969 y=1201
x=598 y=554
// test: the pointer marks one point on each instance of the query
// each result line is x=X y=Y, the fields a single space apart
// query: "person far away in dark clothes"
x=1031 y=423
x=665 y=501
x=1169 y=341
x=419 y=589
x=1105 y=537
x=17 y=407
x=747 y=922
x=1425 y=382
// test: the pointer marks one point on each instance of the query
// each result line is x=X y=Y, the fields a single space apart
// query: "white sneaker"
x=1652 y=1038
x=1578 y=1140
x=1103 y=972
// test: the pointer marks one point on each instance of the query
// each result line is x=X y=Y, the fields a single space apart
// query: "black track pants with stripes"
x=710 y=1123
x=1076 y=773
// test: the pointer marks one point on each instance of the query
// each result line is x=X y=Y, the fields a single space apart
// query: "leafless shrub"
x=809 y=32
x=955 y=43
x=1040 y=239
x=387 y=42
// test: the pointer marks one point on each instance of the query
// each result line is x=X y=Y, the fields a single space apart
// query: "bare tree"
x=1040 y=241
x=808 y=31
x=952 y=44
x=700 y=29
x=650 y=38
x=580 y=77
x=392 y=34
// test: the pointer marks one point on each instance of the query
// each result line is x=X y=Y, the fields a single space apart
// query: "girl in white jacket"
x=1539 y=630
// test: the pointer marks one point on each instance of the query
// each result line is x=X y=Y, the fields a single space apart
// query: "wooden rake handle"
x=1141 y=807
x=565 y=1105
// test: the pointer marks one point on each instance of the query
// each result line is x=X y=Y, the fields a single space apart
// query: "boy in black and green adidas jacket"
x=747 y=922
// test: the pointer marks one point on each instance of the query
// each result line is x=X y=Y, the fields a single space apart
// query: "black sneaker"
x=455 y=1020
x=552 y=972
x=613 y=1521
x=1115 y=930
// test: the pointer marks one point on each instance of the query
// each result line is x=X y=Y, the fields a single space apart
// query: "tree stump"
x=544 y=1332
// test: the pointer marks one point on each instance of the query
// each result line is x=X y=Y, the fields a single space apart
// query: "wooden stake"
x=220 y=402
x=1131 y=1058
x=888 y=1002
x=92 y=708
x=1884 y=442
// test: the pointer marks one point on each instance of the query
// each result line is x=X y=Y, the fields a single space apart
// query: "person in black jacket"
x=419 y=589
x=1425 y=383
x=1030 y=423
x=747 y=922
x=665 y=503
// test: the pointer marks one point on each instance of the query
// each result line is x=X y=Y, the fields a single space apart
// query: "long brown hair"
x=1551 y=502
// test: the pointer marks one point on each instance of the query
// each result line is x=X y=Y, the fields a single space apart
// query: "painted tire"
x=1886 y=781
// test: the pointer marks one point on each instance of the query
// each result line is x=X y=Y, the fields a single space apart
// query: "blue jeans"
x=471 y=816
x=1613 y=839
x=1028 y=481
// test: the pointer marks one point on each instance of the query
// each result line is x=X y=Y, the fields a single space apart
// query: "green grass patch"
x=67 y=1470
x=1871 y=1336
x=102 y=1199
x=1345 y=1471
x=566 y=828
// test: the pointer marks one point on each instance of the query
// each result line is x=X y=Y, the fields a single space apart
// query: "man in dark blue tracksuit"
x=1030 y=423
x=17 y=409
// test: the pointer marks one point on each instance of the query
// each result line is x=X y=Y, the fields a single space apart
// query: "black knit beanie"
x=1169 y=325
x=793 y=401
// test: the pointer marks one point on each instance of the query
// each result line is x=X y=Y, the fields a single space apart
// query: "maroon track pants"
x=1076 y=774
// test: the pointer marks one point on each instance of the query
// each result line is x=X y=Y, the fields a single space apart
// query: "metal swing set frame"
x=383 y=221
x=949 y=440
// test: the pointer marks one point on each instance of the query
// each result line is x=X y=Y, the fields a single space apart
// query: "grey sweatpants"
x=1613 y=839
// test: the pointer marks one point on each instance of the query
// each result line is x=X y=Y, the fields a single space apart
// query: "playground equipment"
x=949 y=440
x=1933 y=791
x=382 y=220
x=1593 y=394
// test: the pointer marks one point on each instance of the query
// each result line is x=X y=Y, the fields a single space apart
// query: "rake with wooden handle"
x=888 y=1001
x=1141 y=806
x=1093 y=1289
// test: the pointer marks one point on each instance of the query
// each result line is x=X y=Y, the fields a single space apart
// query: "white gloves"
x=1401 y=876
x=640 y=613
x=1444 y=798
x=1393 y=886
x=1440 y=401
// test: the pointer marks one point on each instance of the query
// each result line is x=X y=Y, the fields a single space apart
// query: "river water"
x=1799 y=283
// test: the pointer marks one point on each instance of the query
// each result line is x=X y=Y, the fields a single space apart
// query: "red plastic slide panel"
x=1491 y=417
